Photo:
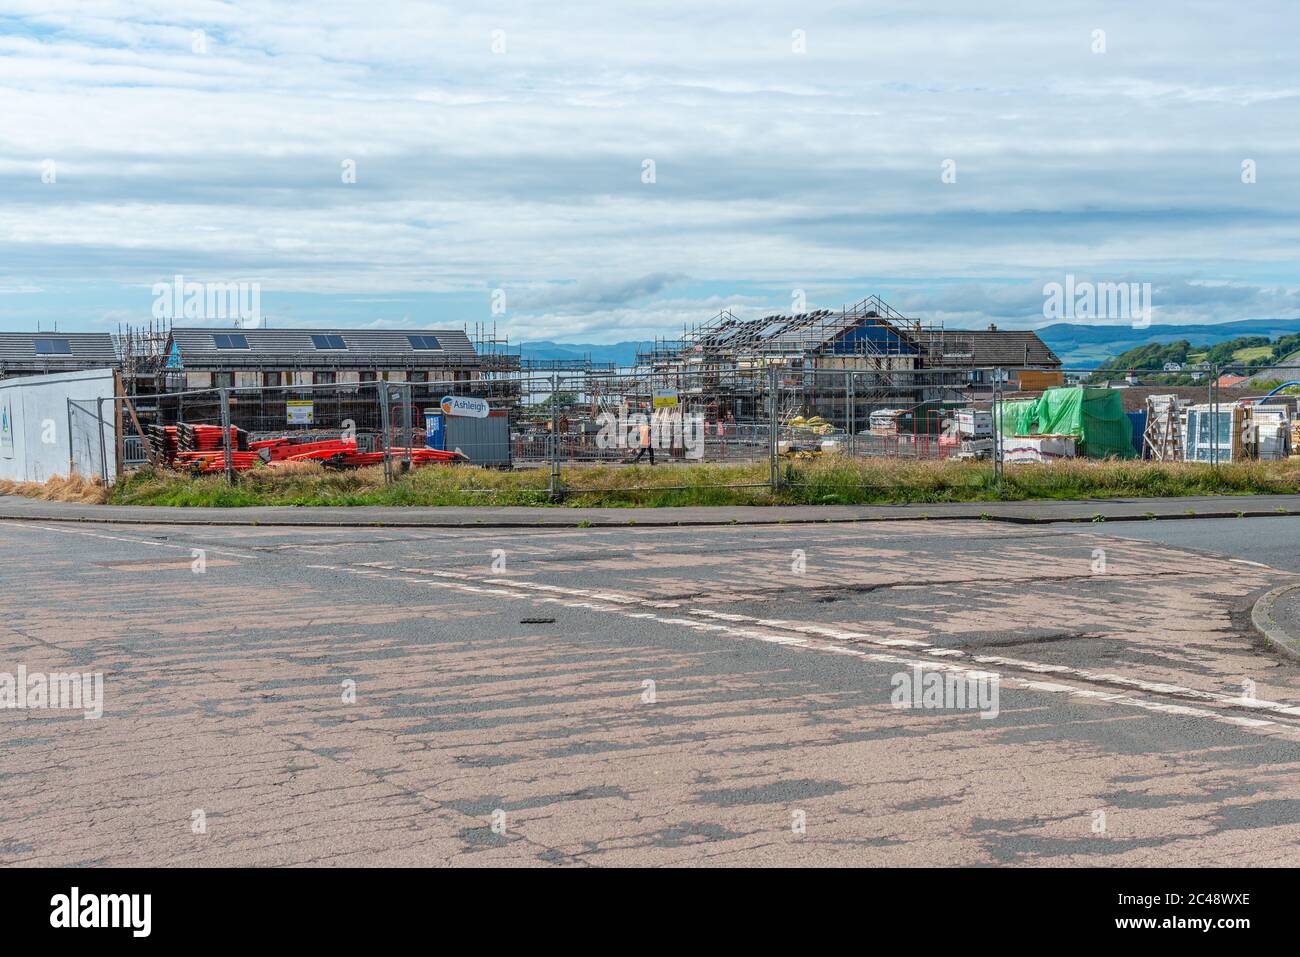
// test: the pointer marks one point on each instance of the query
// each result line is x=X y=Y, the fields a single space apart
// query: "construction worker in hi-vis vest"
x=646 y=445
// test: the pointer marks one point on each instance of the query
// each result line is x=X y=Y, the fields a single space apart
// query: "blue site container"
x=1139 y=420
x=435 y=430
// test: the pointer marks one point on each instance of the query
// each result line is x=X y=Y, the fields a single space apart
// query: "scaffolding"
x=143 y=360
x=737 y=361
x=496 y=356
x=727 y=339
x=1162 y=440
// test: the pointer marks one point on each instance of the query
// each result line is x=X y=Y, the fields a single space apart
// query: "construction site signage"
x=6 y=429
x=665 y=398
x=300 y=411
x=465 y=405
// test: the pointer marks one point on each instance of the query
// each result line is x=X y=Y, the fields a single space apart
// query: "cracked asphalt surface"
x=650 y=696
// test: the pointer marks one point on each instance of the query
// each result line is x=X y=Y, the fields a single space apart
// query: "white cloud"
x=523 y=169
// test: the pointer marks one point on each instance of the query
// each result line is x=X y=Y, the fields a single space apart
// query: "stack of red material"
x=206 y=438
x=417 y=456
x=215 y=461
x=198 y=449
x=283 y=450
x=162 y=439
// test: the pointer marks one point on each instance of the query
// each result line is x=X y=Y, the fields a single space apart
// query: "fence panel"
x=853 y=416
x=494 y=423
x=655 y=421
x=769 y=425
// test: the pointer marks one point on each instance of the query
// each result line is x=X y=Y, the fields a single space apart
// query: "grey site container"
x=485 y=441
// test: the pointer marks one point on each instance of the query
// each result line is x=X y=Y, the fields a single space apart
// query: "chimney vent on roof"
x=993 y=327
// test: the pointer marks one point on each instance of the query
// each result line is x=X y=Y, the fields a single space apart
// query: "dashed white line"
x=126 y=538
x=579 y=598
x=840 y=634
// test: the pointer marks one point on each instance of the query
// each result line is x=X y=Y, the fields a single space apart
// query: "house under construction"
x=736 y=360
x=887 y=360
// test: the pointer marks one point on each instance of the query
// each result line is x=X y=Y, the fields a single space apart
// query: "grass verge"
x=826 y=481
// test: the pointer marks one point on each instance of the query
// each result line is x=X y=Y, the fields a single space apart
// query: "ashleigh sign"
x=466 y=406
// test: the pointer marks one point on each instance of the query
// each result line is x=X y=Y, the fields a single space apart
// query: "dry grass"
x=826 y=480
x=890 y=480
x=88 y=491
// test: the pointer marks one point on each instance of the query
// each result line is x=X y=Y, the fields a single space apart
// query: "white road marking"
x=125 y=538
x=463 y=583
x=840 y=634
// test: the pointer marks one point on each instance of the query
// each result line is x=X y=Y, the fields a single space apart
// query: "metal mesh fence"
x=1221 y=414
x=609 y=418
x=852 y=417
x=772 y=422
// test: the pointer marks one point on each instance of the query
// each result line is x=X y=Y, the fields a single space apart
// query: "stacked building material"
x=1037 y=448
x=162 y=439
x=206 y=438
x=197 y=448
x=1268 y=431
x=346 y=455
x=215 y=461
x=1213 y=433
x=1163 y=438
x=282 y=450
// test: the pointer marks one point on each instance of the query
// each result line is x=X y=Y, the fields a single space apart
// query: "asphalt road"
x=650 y=696
x=1271 y=541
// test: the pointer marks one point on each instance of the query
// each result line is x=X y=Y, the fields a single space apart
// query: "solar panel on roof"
x=53 y=347
x=229 y=340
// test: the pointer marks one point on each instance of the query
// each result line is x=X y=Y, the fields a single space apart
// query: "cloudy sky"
x=618 y=169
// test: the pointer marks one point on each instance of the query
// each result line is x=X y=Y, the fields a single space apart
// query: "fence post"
x=774 y=472
x=999 y=411
x=119 y=428
x=553 y=484
x=852 y=398
x=225 y=436
x=1214 y=419
x=103 y=450
x=408 y=396
x=382 y=391
x=71 y=454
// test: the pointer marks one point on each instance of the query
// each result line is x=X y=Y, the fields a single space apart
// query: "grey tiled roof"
x=197 y=347
x=85 y=350
x=990 y=347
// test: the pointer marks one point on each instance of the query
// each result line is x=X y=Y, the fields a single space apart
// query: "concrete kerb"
x=1263 y=617
x=1025 y=513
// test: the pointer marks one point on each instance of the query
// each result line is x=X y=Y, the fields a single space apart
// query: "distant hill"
x=1245 y=353
x=1089 y=346
x=619 y=353
x=1080 y=346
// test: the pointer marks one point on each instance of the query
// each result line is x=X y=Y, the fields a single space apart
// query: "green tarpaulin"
x=1017 y=416
x=1095 y=417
